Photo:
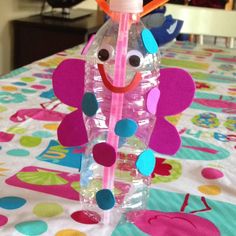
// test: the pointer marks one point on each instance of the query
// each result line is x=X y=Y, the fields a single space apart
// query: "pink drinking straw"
x=117 y=98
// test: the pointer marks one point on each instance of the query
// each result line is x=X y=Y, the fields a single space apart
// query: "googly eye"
x=135 y=58
x=105 y=52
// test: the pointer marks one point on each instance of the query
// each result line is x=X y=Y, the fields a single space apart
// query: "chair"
x=205 y=21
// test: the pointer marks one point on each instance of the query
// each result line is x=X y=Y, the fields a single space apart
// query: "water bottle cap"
x=127 y=6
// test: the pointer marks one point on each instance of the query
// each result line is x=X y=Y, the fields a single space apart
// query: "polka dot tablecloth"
x=193 y=191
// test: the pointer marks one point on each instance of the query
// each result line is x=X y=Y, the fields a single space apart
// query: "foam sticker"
x=104 y=154
x=105 y=199
x=126 y=128
x=149 y=41
x=152 y=100
x=89 y=104
x=146 y=162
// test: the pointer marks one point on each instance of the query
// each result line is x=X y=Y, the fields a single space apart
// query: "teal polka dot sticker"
x=32 y=228
x=105 y=199
x=42 y=134
x=89 y=104
x=146 y=162
x=12 y=202
x=18 y=152
x=126 y=128
x=149 y=41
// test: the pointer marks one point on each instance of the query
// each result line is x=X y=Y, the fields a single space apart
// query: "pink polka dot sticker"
x=38 y=87
x=212 y=173
x=104 y=154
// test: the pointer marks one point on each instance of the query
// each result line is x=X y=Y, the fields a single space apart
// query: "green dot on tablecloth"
x=32 y=228
x=3 y=108
x=28 y=91
x=16 y=130
x=28 y=79
x=42 y=134
x=47 y=209
x=29 y=141
x=18 y=152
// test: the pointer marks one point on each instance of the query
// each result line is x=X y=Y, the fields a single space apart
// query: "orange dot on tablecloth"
x=51 y=126
x=70 y=232
x=210 y=189
x=9 y=88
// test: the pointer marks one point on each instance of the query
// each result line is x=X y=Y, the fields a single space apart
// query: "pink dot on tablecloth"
x=212 y=173
x=6 y=137
x=3 y=220
x=86 y=217
x=104 y=154
x=38 y=87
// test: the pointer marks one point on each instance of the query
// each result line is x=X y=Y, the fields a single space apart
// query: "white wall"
x=13 y=9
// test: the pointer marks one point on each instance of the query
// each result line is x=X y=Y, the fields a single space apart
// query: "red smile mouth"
x=131 y=86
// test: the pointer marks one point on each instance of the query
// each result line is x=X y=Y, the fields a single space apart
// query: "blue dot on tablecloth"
x=20 y=83
x=105 y=199
x=89 y=104
x=32 y=228
x=149 y=41
x=11 y=202
x=18 y=152
x=46 y=82
x=126 y=128
x=42 y=134
x=146 y=162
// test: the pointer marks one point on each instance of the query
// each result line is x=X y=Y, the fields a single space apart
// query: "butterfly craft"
x=148 y=96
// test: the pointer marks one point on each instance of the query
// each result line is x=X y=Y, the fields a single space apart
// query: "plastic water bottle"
x=130 y=188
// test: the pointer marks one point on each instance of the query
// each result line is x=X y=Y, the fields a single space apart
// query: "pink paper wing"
x=72 y=132
x=165 y=138
x=177 y=91
x=68 y=82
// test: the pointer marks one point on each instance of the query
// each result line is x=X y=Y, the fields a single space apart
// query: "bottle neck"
x=133 y=17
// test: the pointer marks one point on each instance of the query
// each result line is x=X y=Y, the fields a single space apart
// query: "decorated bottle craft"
x=122 y=97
